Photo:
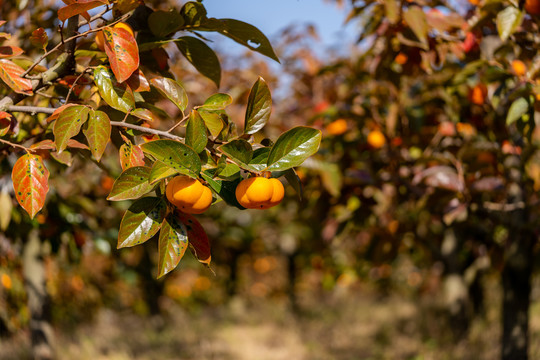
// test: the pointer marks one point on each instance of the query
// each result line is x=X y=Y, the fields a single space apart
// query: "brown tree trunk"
x=38 y=299
x=516 y=280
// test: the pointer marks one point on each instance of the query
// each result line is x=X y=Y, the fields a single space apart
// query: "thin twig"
x=30 y=109
x=95 y=17
x=178 y=123
x=70 y=39
x=147 y=130
x=75 y=83
x=14 y=145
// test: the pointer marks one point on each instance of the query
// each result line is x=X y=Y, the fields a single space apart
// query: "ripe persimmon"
x=376 y=139
x=188 y=195
x=519 y=67
x=477 y=95
x=259 y=192
x=532 y=7
x=337 y=127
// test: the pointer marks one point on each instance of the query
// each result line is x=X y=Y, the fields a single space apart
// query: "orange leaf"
x=30 y=181
x=11 y=73
x=79 y=7
x=8 y=51
x=122 y=51
x=5 y=122
x=130 y=155
x=138 y=82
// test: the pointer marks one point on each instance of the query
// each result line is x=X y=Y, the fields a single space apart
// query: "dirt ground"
x=342 y=326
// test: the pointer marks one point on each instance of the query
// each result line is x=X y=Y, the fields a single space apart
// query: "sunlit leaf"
x=141 y=221
x=98 y=132
x=217 y=102
x=131 y=184
x=293 y=147
x=118 y=96
x=173 y=242
x=9 y=51
x=518 y=108
x=258 y=108
x=196 y=137
x=174 y=154
x=130 y=155
x=68 y=125
x=138 y=82
x=122 y=51
x=79 y=8
x=172 y=90
x=508 y=20
x=239 y=151
x=160 y=171
x=11 y=73
x=31 y=183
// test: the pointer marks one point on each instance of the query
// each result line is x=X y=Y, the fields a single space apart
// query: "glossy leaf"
x=31 y=183
x=173 y=242
x=197 y=237
x=172 y=90
x=225 y=189
x=160 y=171
x=144 y=114
x=141 y=221
x=163 y=23
x=131 y=155
x=217 y=102
x=98 y=132
x=213 y=121
x=78 y=8
x=201 y=56
x=68 y=125
x=196 y=132
x=11 y=73
x=174 y=154
x=508 y=20
x=122 y=51
x=259 y=107
x=518 y=108
x=138 y=82
x=243 y=33
x=9 y=51
x=239 y=151
x=118 y=96
x=259 y=159
x=131 y=184
x=293 y=147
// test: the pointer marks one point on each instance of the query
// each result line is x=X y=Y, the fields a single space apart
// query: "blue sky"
x=271 y=16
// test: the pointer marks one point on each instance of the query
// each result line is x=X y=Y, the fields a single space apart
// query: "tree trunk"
x=38 y=300
x=456 y=291
x=516 y=279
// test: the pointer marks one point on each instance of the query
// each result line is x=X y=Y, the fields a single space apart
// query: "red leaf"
x=130 y=155
x=122 y=51
x=8 y=51
x=39 y=38
x=5 y=122
x=30 y=181
x=79 y=7
x=11 y=73
x=138 y=82
x=197 y=237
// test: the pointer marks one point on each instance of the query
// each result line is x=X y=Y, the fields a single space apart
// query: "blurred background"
x=398 y=247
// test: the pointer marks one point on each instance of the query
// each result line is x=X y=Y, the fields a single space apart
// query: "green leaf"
x=201 y=56
x=196 y=132
x=508 y=21
x=217 y=102
x=239 y=151
x=160 y=171
x=141 y=221
x=293 y=147
x=163 y=23
x=243 y=33
x=131 y=184
x=259 y=107
x=260 y=159
x=193 y=13
x=294 y=181
x=415 y=17
x=518 y=108
x=229 y=171
x=174 y=154
x=68 y=125
x=30 y=180
x=172 y=90
x=116 y=95
x=173 y=242
x=98 y=132
x=225 y=189
x=213 y=121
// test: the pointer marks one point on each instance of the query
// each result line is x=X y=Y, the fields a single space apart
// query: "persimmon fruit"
x=188 y=195
x=259 y=192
